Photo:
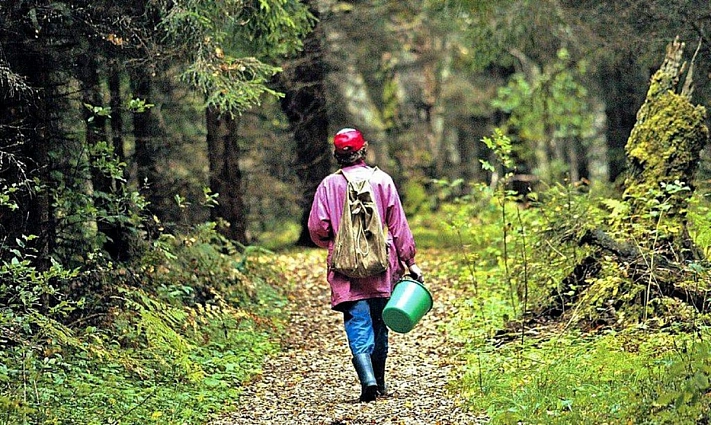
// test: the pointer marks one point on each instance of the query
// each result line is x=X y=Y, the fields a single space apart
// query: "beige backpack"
x=360 y=249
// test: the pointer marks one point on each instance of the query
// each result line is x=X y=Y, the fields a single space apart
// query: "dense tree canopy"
x=426 y=84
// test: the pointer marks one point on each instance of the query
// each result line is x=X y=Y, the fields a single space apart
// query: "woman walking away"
x=362 y=299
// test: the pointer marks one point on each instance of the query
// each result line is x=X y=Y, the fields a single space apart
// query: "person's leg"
x=359 y=330
x=359 y=327
x=381 y=346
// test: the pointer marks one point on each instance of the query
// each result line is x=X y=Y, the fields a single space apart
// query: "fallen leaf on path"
x=312 y=380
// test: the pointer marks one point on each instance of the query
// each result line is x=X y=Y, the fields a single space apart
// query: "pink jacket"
x=325 y=217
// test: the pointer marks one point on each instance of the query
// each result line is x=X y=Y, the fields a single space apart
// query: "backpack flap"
x=360 y=249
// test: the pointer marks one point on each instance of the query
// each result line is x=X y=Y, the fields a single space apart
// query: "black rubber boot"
x=379 y=371
x=364 y=368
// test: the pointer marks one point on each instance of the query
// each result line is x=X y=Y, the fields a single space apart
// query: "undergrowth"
x=551 y=371
x=184 y=329
x=542 y=348
x=563 y=378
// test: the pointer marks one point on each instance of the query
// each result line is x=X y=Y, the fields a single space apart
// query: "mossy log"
x=663 y=276
x=651 y=250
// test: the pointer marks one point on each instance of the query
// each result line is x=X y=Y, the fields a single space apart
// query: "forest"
x=159 y=158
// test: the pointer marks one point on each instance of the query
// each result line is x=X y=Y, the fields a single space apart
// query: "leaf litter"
x=312 y=380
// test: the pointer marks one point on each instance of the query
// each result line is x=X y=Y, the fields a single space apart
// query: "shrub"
x=172 y=347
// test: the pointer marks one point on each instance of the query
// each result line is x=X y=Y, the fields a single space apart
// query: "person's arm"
x=319 y=222
x=397 y=224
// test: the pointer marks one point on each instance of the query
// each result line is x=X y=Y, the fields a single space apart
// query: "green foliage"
x=228 y=46
x=200 y=267
x=415 y=198
x=166 y=339
x=281 y=235
x=699 y=219
x=24 y=289
x=572 y=378
x=501 y=145
x=29 y=325
x=489 y=27
x=137 y=105
x=554 y=227
x=549 y=106
x=651 y=224
x=448 y=220
x=538 y=250
x=522 y=368
x=90 y=194
x=653 y=211
x=684 y=391
x=173 y=351
x=5 y=197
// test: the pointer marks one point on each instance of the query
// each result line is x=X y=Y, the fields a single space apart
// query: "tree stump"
x=645 y=264
x=663 y=153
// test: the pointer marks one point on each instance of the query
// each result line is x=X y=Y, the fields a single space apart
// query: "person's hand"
x=416 y=273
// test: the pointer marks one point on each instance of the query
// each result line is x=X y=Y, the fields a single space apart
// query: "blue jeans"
x=365 y=328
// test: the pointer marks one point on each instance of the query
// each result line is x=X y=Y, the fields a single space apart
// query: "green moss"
x=667 y=138
x=663 y=152
x=612 y=298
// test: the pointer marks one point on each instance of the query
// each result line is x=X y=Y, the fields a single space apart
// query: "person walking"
x=361 y=300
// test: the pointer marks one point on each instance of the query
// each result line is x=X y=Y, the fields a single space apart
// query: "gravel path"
x=312 y=380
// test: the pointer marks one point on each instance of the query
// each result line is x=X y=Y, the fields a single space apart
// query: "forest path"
x=312 y=381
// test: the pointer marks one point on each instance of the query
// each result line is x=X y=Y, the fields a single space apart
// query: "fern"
x=159 y=327
x=618 y=209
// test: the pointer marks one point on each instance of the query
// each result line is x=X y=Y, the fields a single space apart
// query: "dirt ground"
x=312 y=381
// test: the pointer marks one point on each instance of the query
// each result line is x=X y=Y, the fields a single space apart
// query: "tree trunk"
x=656 y=253
x=146 y=131
x=663 y=153
x=119 y=239
x=116 y=113
x=574 y=158
x=40 y=219
x=117 y=243
x=622 y=97
x=88 y=75
x=470 y=147
x=225 y=174
x=28 y=128
x=304 y=104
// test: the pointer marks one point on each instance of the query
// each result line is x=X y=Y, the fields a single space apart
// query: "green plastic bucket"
x=409 y=302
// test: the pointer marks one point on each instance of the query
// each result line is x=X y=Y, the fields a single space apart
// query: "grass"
x=571 y=378
x=554 y=373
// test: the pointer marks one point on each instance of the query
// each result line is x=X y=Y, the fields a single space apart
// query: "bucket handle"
x=407 y=273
